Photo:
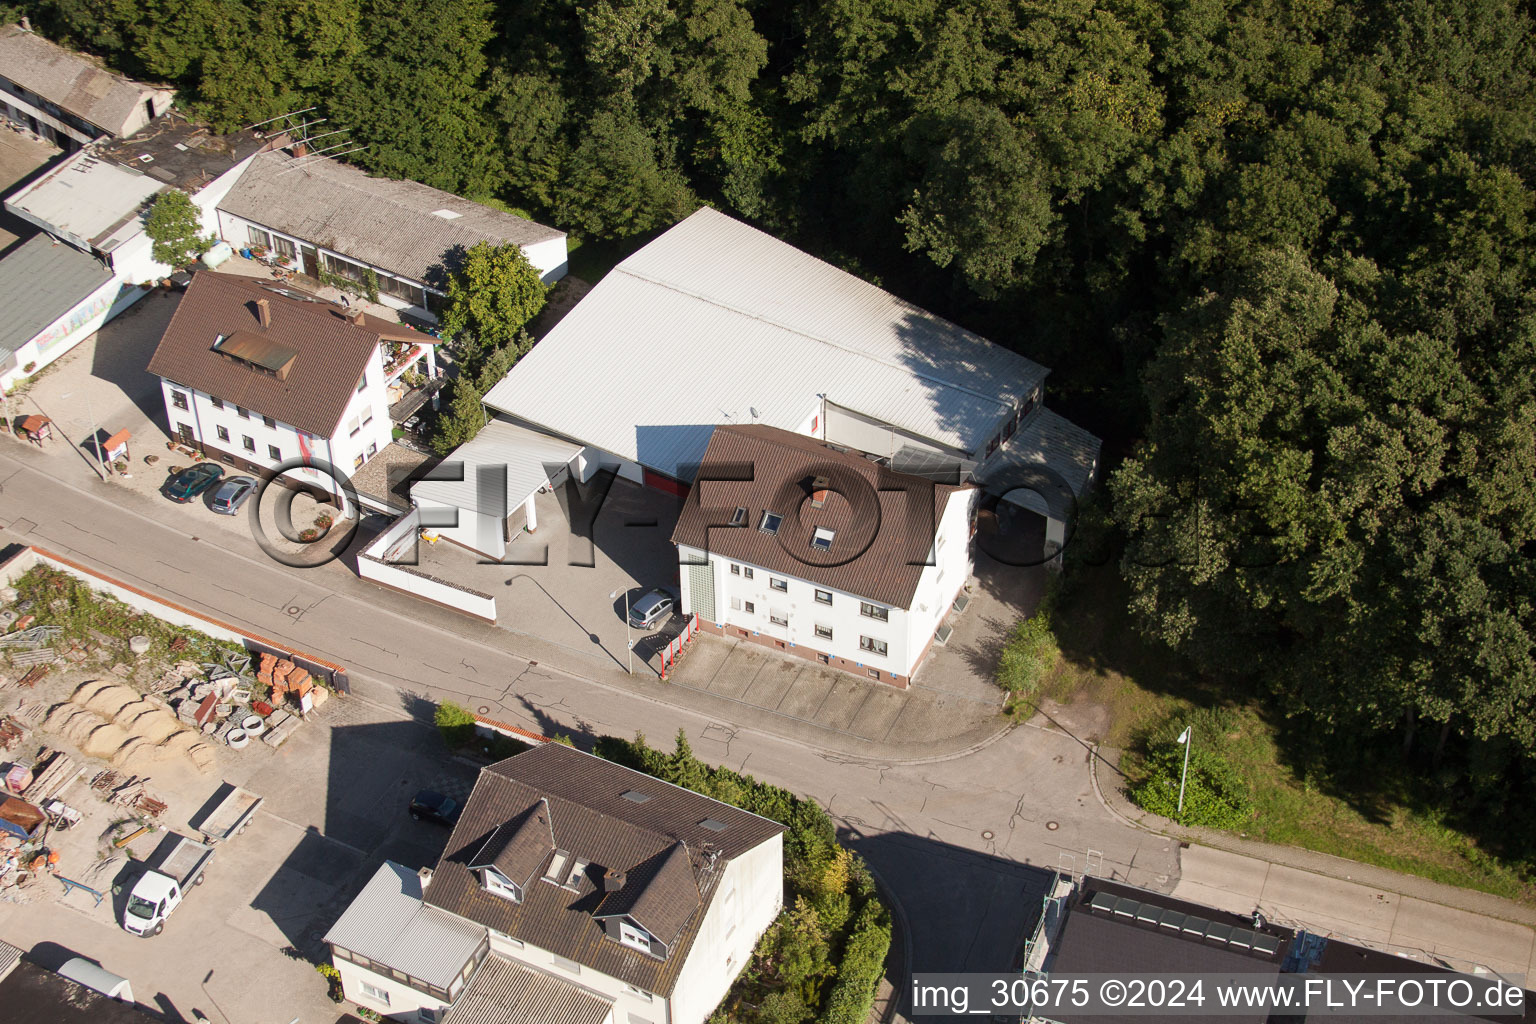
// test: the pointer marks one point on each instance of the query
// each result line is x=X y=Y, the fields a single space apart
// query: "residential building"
x=66 y=97
x=338 y=222
x=54 y=295
x=716 y=323
x=817 y=551
x=572 y=891
x=256 y=375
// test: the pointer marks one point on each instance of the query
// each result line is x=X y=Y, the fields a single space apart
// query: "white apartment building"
x=821 y=553
x=257 y=375
x=572 y=891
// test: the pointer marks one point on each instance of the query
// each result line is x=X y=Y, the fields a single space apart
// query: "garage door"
x=701 y=591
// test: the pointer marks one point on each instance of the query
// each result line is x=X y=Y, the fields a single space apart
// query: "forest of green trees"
x=1278 y=252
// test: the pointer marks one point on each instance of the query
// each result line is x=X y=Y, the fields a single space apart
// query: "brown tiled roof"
x=519 y=847
x=595 y=823
x=883 y=522
x=660 y=895
x=332 y=350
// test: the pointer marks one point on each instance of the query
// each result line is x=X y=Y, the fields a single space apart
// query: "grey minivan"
x=233 y=493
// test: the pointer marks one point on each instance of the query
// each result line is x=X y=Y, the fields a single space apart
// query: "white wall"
x=805 y=613
x=404 y=1001
x=397 y=542
x=551 y=259
x=72 y=328
x=941 y=581
x=209 y=196
x=730 y=930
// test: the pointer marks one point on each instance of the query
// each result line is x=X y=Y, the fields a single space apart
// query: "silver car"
x=651 y=609
x=232 y=494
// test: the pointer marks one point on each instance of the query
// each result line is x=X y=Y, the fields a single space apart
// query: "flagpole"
x=1185 y=738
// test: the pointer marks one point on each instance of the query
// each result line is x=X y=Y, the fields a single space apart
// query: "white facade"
x=391 y=998
x=196 y=417
x=801 y=614
x=69 y=330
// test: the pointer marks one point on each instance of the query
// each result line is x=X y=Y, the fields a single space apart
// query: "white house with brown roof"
x=256 y=375
x=572 y=891
x=67 y=97
x=810 y=549
x=337 y=220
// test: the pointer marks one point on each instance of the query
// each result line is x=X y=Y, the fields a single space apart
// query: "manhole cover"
x=987 y=834
x=294 y=609
x=1051 y=826
x=485 y=709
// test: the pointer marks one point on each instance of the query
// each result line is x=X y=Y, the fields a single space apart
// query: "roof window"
x=770 y=522
x=739 y=517
x=713 y=825
x=635 y=796
x=821 y=539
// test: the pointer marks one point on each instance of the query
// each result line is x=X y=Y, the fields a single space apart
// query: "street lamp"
x=628 y=643
x=95 y=435
x=1184 y=738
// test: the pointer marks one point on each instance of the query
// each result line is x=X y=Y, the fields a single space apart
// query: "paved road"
x=966 y=843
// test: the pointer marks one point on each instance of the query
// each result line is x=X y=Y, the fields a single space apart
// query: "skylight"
x=770 y=522
x=821 y=540
x=739 y=517
x=713 y=825
x=446 y=214
x=635 y=796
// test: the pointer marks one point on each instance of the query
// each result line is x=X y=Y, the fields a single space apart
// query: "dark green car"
x=192 y=481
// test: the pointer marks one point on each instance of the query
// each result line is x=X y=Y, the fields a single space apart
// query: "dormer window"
x=633 y=936
x=821 y=539
x=499 y=884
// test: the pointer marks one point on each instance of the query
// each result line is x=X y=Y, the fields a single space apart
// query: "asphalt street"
x=966 y=843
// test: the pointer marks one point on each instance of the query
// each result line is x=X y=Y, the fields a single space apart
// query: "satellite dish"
x=753 y=410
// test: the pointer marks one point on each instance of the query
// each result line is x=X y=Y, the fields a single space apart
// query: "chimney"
x=300 y=149
x=425 y=874
x=356 y=316
x=613 y=880
x=819 y=487
x=264 y=312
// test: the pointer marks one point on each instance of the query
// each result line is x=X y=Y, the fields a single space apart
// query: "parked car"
x=430 y=805
x=192 y=481
x=651 y=609
x=233 y=493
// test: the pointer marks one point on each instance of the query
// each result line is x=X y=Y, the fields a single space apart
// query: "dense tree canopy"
x=1278 y=252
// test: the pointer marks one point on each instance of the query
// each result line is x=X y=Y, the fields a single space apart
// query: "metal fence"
x=676 y=644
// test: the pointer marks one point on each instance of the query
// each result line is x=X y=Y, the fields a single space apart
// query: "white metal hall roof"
x=527 y=455
x=716 y=322
x=388 y=924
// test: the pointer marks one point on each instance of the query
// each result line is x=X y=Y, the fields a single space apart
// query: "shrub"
x=1215 y=794
x=863 y=964
x=1029 y=654
x=456 y=723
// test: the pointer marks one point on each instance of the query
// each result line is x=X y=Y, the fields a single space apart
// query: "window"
x=373 y=992
x=739 y=517
x=736 y=604
x=367 y=415
x=218 y=403
x=258 y=236
x=638 y=992
x=823 y=597
x=770 y=522
x=242 y=413
x=637 y=938
x=735 y=569
x=748 y=606
x=284 y=246
x=403 y=290
x=497 y=885
x=357 y=463
x=274 y=453
x=874 y=673
x=873 y=646
x=223 y=433
x=248 y=442
x=821 y=539
x=747 y=572
x=778 y=584
x=825 y=632
x=373 y=449
x=269 y=421
x=362 y=382
x=874 y=611
x=178 y=399
x=569 y=965
x=353 y=426
x=427 y=1016
x=778 y=618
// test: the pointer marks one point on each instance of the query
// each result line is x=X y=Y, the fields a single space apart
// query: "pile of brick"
x=287 y=680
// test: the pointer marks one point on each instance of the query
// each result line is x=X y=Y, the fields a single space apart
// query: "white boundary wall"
x=374 y=565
